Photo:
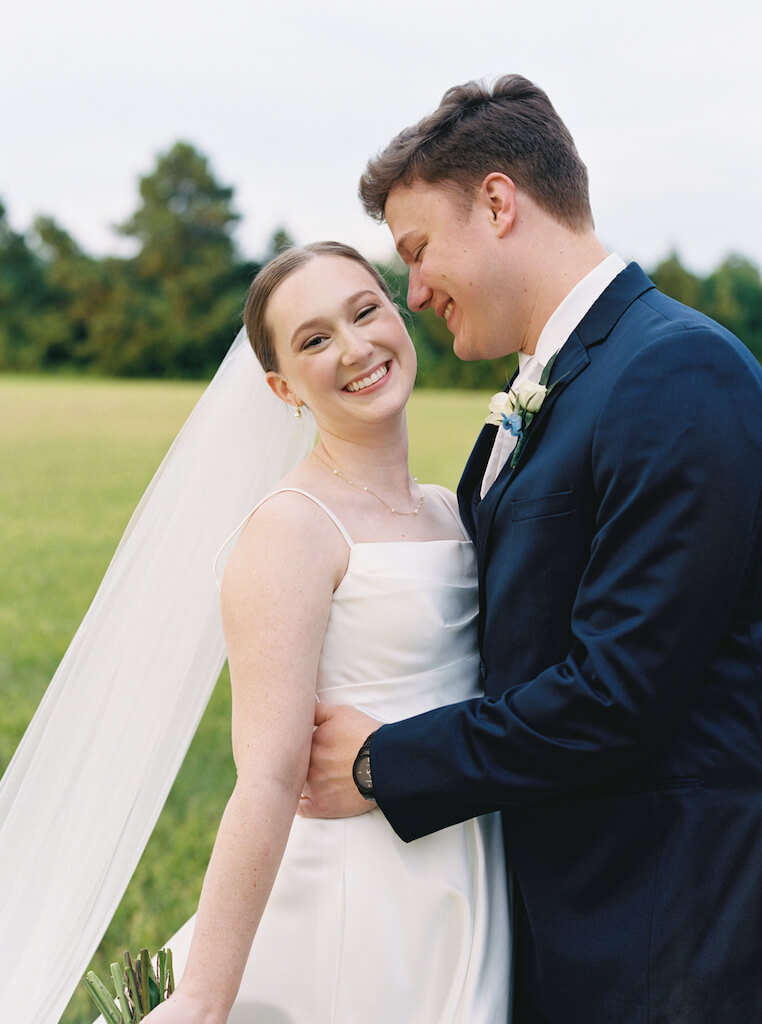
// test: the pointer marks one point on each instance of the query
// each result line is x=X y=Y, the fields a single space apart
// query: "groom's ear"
x=498 y=197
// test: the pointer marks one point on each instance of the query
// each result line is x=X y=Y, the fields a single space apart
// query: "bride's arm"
x=276 y=600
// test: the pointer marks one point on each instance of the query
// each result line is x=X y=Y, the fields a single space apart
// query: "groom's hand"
x=330 y=791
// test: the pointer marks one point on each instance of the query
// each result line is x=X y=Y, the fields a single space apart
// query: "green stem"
x=171 y=973
x=161 y=962
x=117 y=976
x=143 y=991
x=132 y=988
x=102 y=998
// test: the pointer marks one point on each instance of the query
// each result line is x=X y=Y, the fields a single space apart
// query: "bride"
x=347 y=583
x=353 y=581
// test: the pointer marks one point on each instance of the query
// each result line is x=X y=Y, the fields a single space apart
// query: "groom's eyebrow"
x=318 y=321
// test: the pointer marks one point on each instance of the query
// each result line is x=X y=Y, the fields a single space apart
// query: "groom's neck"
x=555 y=261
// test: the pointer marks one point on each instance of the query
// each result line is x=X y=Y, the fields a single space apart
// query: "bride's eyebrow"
x=318 y=321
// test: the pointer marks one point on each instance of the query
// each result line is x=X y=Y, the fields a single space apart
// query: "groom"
x=619 y=535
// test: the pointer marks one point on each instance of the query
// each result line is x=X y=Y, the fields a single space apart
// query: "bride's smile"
x=372 y=378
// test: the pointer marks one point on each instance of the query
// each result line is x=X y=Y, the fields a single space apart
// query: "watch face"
x=362 y=773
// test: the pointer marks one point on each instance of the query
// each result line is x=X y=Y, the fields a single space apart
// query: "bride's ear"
x=280 y=388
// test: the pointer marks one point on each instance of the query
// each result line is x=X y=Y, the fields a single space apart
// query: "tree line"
x=173 y=308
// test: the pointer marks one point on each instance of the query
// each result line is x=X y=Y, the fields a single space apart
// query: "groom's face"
x=455 y=263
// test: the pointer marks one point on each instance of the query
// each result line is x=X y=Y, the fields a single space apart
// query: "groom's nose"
x=418 y=294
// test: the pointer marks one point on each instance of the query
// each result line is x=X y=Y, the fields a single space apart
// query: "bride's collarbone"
x=368 y=521
x=367 y=518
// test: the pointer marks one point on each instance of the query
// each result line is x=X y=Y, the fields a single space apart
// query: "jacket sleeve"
x=676 y=461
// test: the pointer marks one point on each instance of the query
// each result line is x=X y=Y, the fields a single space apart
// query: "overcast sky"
x=289 y=99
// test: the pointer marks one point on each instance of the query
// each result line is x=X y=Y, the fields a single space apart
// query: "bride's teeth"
x=366 y=382
x=448 y=310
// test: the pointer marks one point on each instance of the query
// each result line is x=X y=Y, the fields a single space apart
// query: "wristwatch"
x=361 y=771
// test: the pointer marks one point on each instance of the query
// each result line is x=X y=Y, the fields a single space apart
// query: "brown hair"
x=273 y=274
x=512 y=128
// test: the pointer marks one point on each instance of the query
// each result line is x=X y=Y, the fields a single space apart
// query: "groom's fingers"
x=329 y=790
x=322 y=713
x=341 y=804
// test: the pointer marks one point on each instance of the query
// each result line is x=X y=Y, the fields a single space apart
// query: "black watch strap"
x=361 y=771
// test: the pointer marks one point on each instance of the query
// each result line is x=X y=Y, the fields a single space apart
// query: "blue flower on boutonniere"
x=513 y=423
x=515 y=409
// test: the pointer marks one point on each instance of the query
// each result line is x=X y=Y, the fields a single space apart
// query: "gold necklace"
x=360 y=487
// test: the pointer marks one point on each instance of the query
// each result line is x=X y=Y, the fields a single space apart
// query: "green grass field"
x=75 y=456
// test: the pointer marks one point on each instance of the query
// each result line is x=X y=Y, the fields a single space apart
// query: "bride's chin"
x=355 y=421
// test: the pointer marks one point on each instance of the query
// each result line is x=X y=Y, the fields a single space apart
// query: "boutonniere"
x=515 y=409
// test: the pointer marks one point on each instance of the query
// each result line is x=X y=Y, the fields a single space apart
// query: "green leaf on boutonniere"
x=545 y=375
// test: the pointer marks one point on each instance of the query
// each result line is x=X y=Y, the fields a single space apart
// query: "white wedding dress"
x=360 y=927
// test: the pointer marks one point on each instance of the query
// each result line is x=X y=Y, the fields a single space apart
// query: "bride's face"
x=341 y=345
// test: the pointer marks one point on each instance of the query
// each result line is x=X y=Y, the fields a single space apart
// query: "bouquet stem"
x=137 y=988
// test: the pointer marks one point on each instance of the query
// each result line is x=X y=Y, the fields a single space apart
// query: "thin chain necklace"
x=360 y=487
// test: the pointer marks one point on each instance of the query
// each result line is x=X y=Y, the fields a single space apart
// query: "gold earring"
x=298 y=412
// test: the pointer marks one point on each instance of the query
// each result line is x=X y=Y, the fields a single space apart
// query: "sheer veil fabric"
x=82 y=793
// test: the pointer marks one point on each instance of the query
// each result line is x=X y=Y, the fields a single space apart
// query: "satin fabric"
x=361 y=926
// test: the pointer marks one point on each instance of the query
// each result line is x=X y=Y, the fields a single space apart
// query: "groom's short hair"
x=511 y=127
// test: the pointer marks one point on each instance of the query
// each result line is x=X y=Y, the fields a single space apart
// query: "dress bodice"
x=401 y=637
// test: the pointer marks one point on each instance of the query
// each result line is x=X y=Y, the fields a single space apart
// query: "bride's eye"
x=314 y=341
x=367 y=310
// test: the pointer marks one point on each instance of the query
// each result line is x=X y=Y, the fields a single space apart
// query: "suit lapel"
x=572 y=359
x=470 y=484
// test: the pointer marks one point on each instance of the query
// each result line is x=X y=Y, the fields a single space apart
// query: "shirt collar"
x=572 y=309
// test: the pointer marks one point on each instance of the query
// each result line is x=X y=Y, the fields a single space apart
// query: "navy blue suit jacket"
x=620 y=577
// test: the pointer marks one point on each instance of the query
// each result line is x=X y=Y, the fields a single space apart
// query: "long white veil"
x=83 y=791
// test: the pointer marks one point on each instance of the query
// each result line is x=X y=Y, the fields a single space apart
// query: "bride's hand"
x=329 y=791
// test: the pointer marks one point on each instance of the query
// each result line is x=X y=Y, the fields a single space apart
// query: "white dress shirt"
x=554 y=336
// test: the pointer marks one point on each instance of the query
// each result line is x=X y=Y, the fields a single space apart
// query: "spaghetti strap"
x=297 y=490
x=453 y=512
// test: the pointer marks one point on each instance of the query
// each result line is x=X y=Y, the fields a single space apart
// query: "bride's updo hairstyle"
x=273 y=274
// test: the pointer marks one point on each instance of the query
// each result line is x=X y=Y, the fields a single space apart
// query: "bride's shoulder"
x=289 y=516
x=444 y=494
x=287 y=534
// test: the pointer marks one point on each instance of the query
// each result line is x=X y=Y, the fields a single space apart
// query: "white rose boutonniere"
x=530 y=396
x=515 y=409
x=501 y=407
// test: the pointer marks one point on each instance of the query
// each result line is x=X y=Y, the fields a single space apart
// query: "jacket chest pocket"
x=559 y=503
x=538 y=550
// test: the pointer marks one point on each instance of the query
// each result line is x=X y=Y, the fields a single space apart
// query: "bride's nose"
x=356 y=347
